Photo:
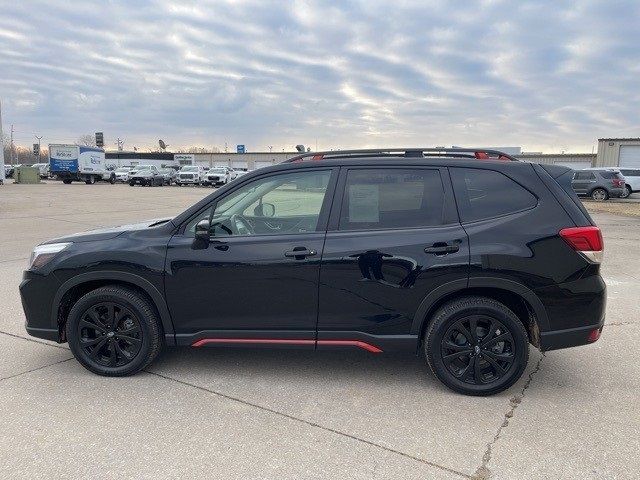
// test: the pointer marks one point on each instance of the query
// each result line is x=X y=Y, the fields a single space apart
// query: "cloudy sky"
x=546 y=75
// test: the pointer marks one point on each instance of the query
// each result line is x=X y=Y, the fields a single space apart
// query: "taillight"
x=618 y=182
x=586 y=240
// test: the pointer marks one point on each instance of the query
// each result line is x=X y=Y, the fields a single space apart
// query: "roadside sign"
x=99 y=139
x=36 y=149
x=239 y=148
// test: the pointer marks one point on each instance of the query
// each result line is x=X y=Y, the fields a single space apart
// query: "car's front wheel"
x=476 y=346
x=114 y=331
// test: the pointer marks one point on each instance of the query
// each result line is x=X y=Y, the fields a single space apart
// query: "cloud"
x=546 y=75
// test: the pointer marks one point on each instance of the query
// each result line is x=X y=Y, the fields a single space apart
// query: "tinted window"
x=630 y=173
x=609 y=175
x=584 y=176
x=392 y=198
x=486 y=193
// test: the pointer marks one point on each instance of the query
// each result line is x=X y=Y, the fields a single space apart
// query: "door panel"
x=243 y=283
x=373 y=282
x=400 y=240
x=257 y=275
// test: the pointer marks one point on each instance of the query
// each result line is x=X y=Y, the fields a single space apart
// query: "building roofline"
x=631 y=139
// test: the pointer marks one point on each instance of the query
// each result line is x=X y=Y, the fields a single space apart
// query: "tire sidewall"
x=93 y=298
x=442 y=324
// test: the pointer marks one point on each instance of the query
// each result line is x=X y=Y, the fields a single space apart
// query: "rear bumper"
x=616 y=192
x=571 y=337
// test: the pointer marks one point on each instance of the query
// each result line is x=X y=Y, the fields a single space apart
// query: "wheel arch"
x=74 y=288
x=517 y=297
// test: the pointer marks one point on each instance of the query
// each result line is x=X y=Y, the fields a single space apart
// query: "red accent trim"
x=594 y=335
x=351 y=343
x=481 y=155
x=282 y=341
x=204 y=341
x=317 y=157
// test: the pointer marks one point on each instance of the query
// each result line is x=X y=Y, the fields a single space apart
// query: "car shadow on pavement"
x=401 y=369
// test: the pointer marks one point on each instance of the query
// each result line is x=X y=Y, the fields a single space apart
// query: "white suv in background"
x=632 y=181
x=190 y=175
x=219 y=176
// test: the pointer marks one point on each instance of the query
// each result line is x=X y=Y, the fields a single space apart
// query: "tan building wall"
x=609 y=150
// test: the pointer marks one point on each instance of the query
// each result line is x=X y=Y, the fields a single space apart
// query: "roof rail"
x=479 y=153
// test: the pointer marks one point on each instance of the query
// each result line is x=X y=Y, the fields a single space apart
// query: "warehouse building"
x=618 y=152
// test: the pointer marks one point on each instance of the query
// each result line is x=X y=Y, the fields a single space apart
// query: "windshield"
x=217 y=170
x=144 y=167
x=122 y=169
x=189 y=169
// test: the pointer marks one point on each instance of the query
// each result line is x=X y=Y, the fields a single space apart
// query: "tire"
x=599 y=194
x=95 y=348
x=500 y=364
x=626 y=193
x=132 y=183
x=112 y=179
x=66 y=181
x=90 y=180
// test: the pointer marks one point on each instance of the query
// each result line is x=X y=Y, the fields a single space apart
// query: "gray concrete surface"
x=232 y=413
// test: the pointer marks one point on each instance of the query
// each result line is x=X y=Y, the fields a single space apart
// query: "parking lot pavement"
x=232 y=413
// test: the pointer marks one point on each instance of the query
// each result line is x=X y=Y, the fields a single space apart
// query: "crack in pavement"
x=483 y=472
x=311 y=424
x=33 y=340
x=35 y=369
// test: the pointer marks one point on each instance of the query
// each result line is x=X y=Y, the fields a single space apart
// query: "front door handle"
x=442 y=248
x=300 y=253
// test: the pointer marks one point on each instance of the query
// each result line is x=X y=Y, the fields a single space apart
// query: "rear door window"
x=584 y=176
x=392 y=198
x=486 y=194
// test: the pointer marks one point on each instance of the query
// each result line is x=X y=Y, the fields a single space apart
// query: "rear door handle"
x=300 y=253
x=442 y=248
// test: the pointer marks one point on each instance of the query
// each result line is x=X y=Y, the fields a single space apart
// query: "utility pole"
x=39 y=154
x=11 y=147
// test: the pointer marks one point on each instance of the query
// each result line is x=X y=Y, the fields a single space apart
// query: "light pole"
x=39 y=154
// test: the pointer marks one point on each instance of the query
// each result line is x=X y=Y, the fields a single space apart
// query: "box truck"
x=80 y=163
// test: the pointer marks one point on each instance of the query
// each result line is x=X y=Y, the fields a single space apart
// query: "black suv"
x=466 y=255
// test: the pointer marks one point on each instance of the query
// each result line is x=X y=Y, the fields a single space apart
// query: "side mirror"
x=265 y=210
x=202 y=232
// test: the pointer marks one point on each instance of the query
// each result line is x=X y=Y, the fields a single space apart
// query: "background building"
x=618 y=152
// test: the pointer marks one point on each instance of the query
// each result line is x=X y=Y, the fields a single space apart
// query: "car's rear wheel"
x=476 y=346
x=66 y=181
x=599 y=194
x=114 y=331
x=626 y=193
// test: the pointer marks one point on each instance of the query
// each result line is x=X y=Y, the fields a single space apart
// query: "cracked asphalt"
x=232 y=413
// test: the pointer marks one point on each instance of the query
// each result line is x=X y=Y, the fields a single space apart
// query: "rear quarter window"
x=484 y=194
x=609 y=175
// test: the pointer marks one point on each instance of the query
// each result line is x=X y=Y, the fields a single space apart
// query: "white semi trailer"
x=79 y=163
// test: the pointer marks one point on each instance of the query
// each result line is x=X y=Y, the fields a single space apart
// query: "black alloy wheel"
x=476 y=346
x=114 y=331
x=478 y=349
x=110 y=334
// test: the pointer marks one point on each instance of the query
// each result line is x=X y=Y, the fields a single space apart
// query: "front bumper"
x=187 y=180
x=37 y=293
x=140 y=180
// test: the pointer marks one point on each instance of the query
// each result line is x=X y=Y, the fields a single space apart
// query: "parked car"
x=469 y=256
x=598 y=183
x=122 y=174
x=217 y=176
x=9 y=170
x=631 y=181
x=145 y=175
x=190 y=175
x=43 y=168
x=168 y=175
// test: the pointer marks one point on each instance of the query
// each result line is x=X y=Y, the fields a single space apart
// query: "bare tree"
x=87 y=140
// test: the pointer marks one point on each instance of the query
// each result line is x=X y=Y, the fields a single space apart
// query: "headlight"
x=42 y=254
